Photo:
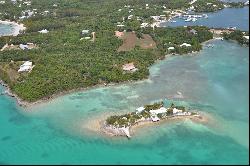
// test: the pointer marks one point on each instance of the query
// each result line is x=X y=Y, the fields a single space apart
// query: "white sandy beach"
x=16 y=27
x=94 y=124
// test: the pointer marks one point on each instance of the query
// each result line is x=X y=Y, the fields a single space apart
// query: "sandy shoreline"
x=27 y=104
x=96 y=124
x=17 y=27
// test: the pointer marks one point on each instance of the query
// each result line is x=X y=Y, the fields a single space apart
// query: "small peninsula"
x=121 y=125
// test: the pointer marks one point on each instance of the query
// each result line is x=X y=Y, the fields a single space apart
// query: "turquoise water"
x=5 y=29
x=214 y=81
x=228 y=17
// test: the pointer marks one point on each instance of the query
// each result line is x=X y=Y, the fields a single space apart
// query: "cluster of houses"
x=27 y=13
x=154 y=113
x=182 y=45
x=163 y=17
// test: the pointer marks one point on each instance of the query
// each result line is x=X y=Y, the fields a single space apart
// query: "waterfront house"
x=246 y=37
x=158 y=111
x=185 y=44
x=139 y=110
x=176 y=111
x=171 y=48
x=155 y=118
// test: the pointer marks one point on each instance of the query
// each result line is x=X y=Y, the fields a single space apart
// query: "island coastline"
x=27 y=104
x=97 y=124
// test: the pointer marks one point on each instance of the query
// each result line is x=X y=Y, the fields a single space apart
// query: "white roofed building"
x=27 y=66
x=155 y=118
x=139 y=110
x=43 y=31
x=185 y=44
x=158 y=111
x=176 y=111
x=171 y=48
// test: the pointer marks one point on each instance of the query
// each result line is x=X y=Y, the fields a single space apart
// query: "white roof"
x=27 y=63
x=25 y=67
x=171 y=48
x=176 y=111
x=44 y=31
x=23 y=46
x=185 y=44
x=158 y=111
x=85 y=31
x=247 y=37
x=155 y=118
x=140 y=109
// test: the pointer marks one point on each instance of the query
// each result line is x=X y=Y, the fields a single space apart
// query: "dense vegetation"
x=215 y=5
x=64 y=62
x=208 y=5
x=133 y=117
x=238 y=36
x=236 y=4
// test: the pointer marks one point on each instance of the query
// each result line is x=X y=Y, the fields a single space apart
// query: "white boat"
x=188 y=19
x=205 y=15
x=232 y=28
x=194 y=19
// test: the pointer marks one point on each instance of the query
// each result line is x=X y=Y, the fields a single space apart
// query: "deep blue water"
x=228 y=17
